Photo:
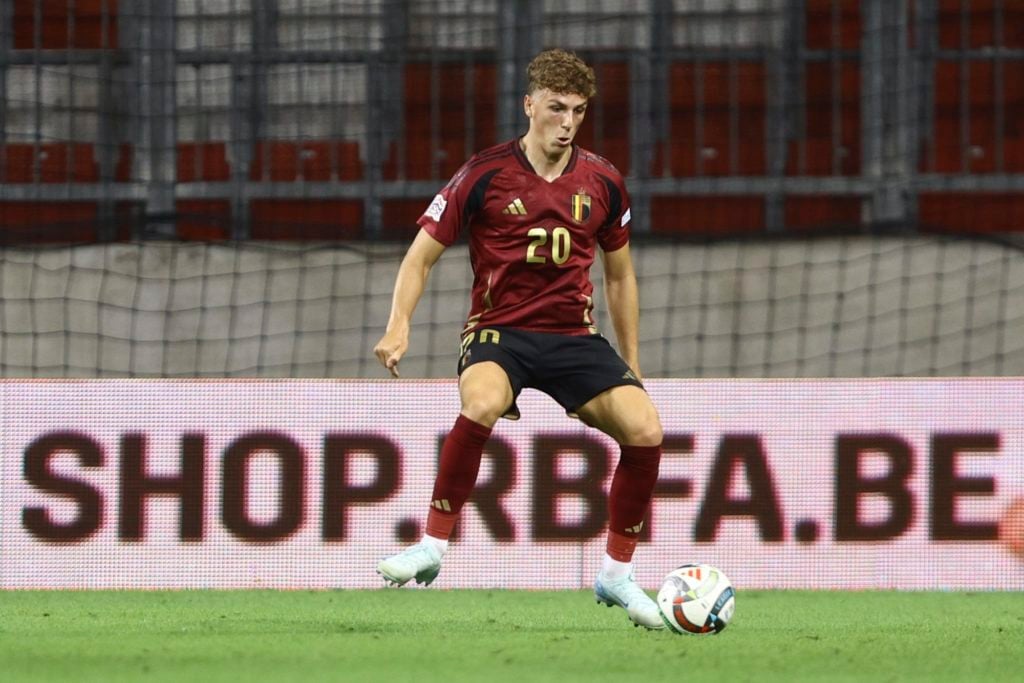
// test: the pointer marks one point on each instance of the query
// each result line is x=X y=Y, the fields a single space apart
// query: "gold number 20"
x=561 y=245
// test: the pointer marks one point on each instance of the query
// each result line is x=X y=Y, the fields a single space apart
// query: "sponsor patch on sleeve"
x=625 y=218
x=436 y=207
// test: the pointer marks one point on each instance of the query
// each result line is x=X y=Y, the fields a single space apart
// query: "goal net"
x=841 y=306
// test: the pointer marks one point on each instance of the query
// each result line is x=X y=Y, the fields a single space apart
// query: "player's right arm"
x=409 y=285
x=440 y=225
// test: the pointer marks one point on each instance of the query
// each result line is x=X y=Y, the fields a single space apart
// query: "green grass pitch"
x=496 y=636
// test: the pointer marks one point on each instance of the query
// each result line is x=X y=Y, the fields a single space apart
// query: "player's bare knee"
x=483 y=410
x=646 y=433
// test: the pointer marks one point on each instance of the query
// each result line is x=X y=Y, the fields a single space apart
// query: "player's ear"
x=528 y=106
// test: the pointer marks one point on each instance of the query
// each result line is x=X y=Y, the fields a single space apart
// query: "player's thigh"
x=485 y=392
x=625 y=413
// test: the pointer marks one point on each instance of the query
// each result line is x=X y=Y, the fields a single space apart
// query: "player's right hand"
x=390 y=349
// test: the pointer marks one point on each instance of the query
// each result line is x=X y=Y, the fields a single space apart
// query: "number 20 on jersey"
x=561 y=245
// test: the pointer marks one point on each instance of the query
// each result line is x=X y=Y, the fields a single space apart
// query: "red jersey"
x=532 y=242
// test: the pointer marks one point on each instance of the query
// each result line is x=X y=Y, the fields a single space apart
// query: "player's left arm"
x=623 y=299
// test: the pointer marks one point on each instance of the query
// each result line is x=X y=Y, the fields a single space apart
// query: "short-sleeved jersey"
x=532 y=242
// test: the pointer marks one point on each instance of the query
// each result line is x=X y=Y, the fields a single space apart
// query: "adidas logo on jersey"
x=515 y=208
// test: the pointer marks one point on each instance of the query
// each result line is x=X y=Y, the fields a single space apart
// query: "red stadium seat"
x=1013 y=154
x=948 y=152
x=399 y=216
x=817 y=152
x=945 y=147
x=75 y=24
x=1012 y=137
x=123 y=168
x=982 y=107
x=706 y=215
x=453 y=120
x=288 y=161
x=980 y=25
x=822 y=158
x=830 y=25
x=712 y=149
x=59 y=162
x=55 y=162
x=1013 y=25
x=198 y=161
x=967 y=212
x=306 y=219
x=820 y=25
x=48 y=222
x=822 y=212
x=606 y=128
x=418 y=120
x=203 y=219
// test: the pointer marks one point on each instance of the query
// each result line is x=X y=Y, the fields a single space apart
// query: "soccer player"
x=535 y=209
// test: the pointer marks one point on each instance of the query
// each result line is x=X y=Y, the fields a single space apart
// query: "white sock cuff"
x=613 y=569
x=439 y=544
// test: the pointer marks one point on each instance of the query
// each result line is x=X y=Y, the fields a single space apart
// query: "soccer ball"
x=696 y=598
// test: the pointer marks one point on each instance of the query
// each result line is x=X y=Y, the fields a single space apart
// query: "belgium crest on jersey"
x=580 y=206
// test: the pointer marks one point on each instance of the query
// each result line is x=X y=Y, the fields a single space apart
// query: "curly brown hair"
x=561 y=72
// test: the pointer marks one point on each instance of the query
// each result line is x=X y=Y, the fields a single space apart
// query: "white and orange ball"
x=696 y=598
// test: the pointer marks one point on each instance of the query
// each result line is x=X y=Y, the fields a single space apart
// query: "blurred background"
x=224 y=188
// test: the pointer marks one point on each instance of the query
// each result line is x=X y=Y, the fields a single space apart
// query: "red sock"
x=629 y=498
x=456 y=474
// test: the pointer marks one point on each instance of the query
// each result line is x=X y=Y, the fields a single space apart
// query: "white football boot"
x=626 y=593
x=421 y=561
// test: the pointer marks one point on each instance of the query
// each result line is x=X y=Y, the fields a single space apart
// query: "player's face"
x=554 y=119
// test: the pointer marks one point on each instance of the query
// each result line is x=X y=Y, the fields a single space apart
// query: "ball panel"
x=690 y=622
x=697 y=599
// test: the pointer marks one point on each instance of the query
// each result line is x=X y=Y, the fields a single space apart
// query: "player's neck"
x=547 y=167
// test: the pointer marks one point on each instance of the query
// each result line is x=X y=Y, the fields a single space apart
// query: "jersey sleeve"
x=614 y=234
x=446 y=216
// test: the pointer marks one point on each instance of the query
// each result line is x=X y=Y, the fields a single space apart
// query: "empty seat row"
x=978 y=118
x=64 y=24
x=959 y=24
x=59 y=162
x=717 y=125
x=279 y=161
x=828 y=24
x=980 y=24
x=43 y=222
x=35 y=222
